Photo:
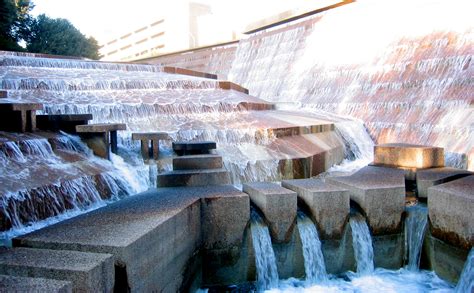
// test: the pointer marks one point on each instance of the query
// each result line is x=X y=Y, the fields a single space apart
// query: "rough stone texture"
x=193 y=148
x=228 y=85
x=100 y=127
x=193 y=162
x=183 y=71
x=193 y=178
x=278 y=204
x=408 y=156
x=150 y=141
x=450 y=208
x=380 y=192
x=88 y=272
x=446 y=260
x=435 y=176
x=329 y=204
x=24 y=284
x=66 y=122
x=156 y=234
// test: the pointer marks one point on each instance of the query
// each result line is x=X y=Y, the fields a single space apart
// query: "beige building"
x=182 y=25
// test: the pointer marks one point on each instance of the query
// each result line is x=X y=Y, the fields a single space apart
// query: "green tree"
x=58 y=36
x=14 y=23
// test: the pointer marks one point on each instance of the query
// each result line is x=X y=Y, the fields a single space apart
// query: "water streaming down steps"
x=314 y=266
x=409 y=82
x=415 y=227
x=43 y=184
x=265 y=261
x=362 y=245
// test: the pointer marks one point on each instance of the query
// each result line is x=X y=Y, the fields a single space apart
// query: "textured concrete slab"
x=228 y=85
x=408 y=156
x=25 y=284
x=100 y=127
x=450 y=208
x=183 y=71
x=201 y=177
x=165 y=223
x=435 y=176
x=380 y=192
x=17 y=106
x=193 y=148
x=329 y=204
x=65 y=117
x=193 y=162
x=67 y=122
x=150 y=135
x=88 y=272
x=278 y=204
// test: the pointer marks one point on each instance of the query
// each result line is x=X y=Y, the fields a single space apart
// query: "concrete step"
x=329 y=204
x=193 y=148
x=193 y=178
x=278 y=204
x=88 y=272
x=193 y=162
x=435 y=176
x=67 y=122
x=25 y=284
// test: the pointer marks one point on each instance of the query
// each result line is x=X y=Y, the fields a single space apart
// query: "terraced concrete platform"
x=165 y=222
x=380 y=192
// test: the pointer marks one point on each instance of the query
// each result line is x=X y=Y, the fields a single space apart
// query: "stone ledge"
x=380 y=192
x=88 y=272
x=183 y=71
x=435 y=176
x=408 y=156
x=201 y=177
x=12 y=106
x=100 y=127
x=193 y=162
x=150 y=136
x=450 y=208
x=329 y=204
x=26 y=284
x=278 y=204
x=228 y=85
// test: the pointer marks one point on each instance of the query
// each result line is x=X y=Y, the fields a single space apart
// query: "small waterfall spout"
x=415 y=226
x=267 y=272
x=314 y=265
x=466 y=282
x=362 y=245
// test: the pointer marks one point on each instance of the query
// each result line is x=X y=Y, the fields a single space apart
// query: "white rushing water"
x=362 y=245
x=314 y=266
x=265 y=261
x=415 y=227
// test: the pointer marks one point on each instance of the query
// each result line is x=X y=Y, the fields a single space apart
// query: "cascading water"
x=265 y=261
x=362 y=245
x=466 y=281
x=415 y=226
x=314 y=265
x=42 y=184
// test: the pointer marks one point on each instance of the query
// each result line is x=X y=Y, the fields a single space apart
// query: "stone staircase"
x=195 y=166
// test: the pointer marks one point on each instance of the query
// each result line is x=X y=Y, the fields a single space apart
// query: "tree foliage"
x=58 y=36
x=41 y=34
x=14 y=23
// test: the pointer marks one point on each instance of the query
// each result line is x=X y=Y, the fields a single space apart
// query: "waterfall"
x=265 y=261
x=415 y=226
x=466 y=281
x=314 y=265
x=362 y=245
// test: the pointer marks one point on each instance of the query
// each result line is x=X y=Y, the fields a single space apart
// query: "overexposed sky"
x=106 y=19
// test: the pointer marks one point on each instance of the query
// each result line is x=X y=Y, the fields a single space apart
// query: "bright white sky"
x=105 y=19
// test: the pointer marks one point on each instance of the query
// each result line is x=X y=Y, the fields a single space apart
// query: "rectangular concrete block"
x=435 y=176
x=193 y=162
x=150 y=235
x=450 y=208
x=201 y=177
x=88 y=272
x=25 y=284
x=329 y=204
x=279 y=206
x=408 y=156
x=380 y=192
x=100 y=127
